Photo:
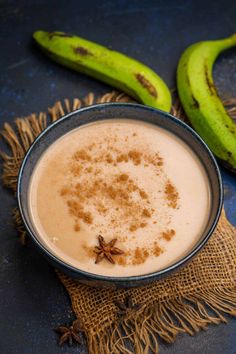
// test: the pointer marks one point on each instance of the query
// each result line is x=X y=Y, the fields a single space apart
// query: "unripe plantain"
x=107 y=65
x=201 y=102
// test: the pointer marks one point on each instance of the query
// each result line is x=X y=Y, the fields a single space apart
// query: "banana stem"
x=226 y=43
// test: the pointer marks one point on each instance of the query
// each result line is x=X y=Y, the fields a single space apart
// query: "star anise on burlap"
x=126 y=308
x=106 y=250
x=70 y=334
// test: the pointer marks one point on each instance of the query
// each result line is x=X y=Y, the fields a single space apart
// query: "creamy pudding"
x=119 y=198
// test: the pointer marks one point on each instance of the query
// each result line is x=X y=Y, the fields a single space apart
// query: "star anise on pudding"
x=106 y=250
x=126 y=308
x=70 y=334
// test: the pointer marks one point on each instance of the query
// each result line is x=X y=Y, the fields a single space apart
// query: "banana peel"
x=109 y=66
x=201 y=102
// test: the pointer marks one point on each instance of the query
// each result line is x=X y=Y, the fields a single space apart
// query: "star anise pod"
x=126 y=308
x=106 y=250
x=70 y=334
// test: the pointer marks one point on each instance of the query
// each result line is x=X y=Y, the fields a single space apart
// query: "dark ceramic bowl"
x=126 y=111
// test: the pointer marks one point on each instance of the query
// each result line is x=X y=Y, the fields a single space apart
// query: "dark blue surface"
x=32 y=301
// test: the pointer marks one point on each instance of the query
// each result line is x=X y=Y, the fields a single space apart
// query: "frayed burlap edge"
x=184 y=313
x=166 y=319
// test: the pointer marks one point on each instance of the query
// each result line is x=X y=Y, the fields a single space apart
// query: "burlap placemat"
x=187 y=301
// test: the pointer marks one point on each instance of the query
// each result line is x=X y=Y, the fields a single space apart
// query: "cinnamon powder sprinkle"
x=146 y=213
x=140 y=256
x=77 y=227
x=121 y=260
x=135 y=156
x=157 y=250
x=123 y=177
x=109 y=158
x=64 y=191
x=122 y=158
x=77 y=210
x=89 y=169
x=167 y=235
x=133 y=227
x=90 y=190
x=76 y=170
x=82 y=155
x=143 y=194
x=172 y=195
x=118 y=192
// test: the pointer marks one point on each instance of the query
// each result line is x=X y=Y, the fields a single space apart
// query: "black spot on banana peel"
x=195 y=102
x=201 y=102
x=82 y=51
x=146 y=84
x=109 y=66
x=210 y=83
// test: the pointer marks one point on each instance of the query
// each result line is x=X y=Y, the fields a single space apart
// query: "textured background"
x=32 y=301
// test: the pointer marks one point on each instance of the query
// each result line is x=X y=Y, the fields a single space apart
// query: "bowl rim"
x=132 y=278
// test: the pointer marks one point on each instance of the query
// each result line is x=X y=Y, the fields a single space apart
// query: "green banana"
x=107 y=65
x=201 y=102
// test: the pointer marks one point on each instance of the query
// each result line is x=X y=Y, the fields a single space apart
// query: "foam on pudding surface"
x=121 y=179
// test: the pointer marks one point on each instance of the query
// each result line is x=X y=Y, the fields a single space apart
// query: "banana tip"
x=233 y=36
x=38 y=34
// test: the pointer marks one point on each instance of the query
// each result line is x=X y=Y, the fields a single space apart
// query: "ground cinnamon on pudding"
x=116 y=197
x=76 y=209
x=89 y=169
x=133 y=227
x=82 y=155
x=155 y=160
x=135 y=156
x=118 y=192
x=123 y=177
x=140 y=256
x=77 y=227
x=168 y=234
x=121 y=260
x=172 y=195
x=76 y=170
x=157 y=250
x=122 y=158
x=65 y=191
x=109 y=158
x=146 y=213
x=143 y=194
